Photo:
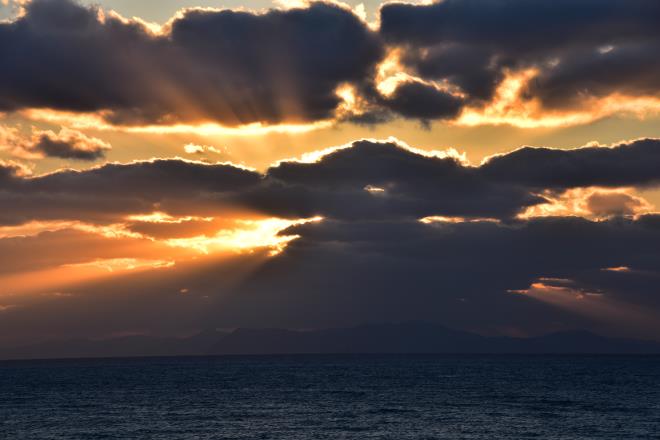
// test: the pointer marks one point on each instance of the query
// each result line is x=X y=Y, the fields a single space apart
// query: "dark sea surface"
x=333 y=397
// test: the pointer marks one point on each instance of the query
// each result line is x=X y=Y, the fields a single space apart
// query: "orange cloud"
x=510 y=106
x=65 y=144
x=595 y=203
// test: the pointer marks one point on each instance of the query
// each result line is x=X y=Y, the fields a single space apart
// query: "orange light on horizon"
x=123 y=264
x=33 y=228
x=162 y=217
x=239 y=234
x=67 y=275
x=250 y=235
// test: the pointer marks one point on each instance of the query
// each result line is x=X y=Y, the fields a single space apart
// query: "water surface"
x=333 y=397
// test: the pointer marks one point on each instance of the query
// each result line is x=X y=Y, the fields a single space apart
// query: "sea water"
x=333 y=397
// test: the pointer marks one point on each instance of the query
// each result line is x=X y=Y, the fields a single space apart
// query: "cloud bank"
x=405 y=235
x=367 y=180
x=225 y=66
x=570 y=61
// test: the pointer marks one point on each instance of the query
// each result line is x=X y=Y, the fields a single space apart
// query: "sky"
x=169 y=167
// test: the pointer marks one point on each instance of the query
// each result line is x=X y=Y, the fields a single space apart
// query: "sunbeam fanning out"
x=594 y=304
x=97 y=121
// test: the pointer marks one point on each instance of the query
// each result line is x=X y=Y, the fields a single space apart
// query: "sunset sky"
x=174 y=166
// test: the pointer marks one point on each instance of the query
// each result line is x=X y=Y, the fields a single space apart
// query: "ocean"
x=333 y=397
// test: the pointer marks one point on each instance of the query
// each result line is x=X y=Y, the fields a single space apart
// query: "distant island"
x=411 y=338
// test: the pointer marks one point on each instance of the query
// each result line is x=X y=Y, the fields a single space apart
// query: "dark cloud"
x=371 y=259
x=65 y=144
x=10 y=171
x=386 y=180
x=68 y=144
x=346 y=273
x=628 y=68
x=231 y=67
x=414 y=99
x=582 y=48
x=368 y=180
x=237 y=67
x=463 y=274
x=633 y=163
x=109 y=193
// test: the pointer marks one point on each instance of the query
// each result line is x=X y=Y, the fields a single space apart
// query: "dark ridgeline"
x=412 y=337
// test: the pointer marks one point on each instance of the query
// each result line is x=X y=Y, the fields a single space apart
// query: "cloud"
x=411 y=184
x=414 y=99
x=111 y=192
x=45 y=250
x=415 y=185
x=349 y=272
x=67 y=144
x=451 y=60
x=202 y=150
x=370 y=258
x=594 y=203
x=632 y=163
x=11 y=170
x=232 y=67
x=582 y=50
x=616 y=203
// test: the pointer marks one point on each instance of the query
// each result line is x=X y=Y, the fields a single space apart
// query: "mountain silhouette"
x=403 y=338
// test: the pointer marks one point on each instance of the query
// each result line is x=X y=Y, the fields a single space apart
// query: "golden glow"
x=576 y=202
x=622 y=269
x=253 y=234
x=593 y=304
x=34 y=228
x=318 y=155
x=246 y=235
x=291 y=4
x=201 y=149
x=352 y=104
x=56 y=278
x=375 y=189
x=162 y=217
x=123 y=264
x=359 y=10
x=96 y=121
x=137 y=256
x=509 y=107
x=152 y=28
x=391 y=73
x=556 y=293
x=146 y=254
x=18 y=169
x=442 y=219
